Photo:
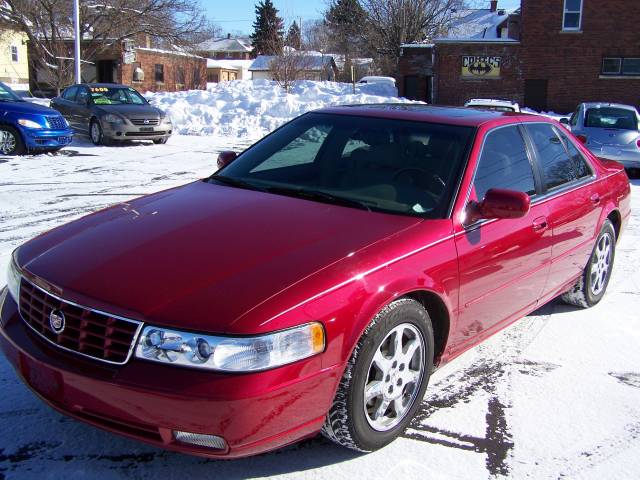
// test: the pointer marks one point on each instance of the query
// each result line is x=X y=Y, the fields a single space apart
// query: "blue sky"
x=238 y=15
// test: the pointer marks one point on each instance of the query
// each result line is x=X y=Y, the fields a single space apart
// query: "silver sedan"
x=609 y=130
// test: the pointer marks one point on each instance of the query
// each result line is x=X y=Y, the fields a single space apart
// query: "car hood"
x=26 y=107
x=131 y=111
x=199 y=256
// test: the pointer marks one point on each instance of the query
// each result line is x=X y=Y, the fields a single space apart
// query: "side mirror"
x=225 y=158
x=499 y=203
x=564 y=121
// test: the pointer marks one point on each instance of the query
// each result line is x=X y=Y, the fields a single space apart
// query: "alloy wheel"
x=600 y=264
x=7 y=142
x=95 y=132
x=394 y=377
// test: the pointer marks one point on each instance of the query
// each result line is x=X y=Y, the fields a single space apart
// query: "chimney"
x=494 y=5
x=229 y=35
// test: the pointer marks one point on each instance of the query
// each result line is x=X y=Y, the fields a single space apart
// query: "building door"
x=413 y=90
x=535 y=94
x=105 y=71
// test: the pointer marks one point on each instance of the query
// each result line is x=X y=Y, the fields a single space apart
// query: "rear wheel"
x=592 y=284
x=10 y=141
x=385 y=379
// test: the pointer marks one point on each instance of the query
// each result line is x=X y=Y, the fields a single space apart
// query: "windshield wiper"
x=318 y=195
x=236 y=182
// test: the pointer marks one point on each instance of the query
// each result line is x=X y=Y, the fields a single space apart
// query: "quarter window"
x=557 y=167
x=579 y=163
x=572 y=18
x=504 y=164
x=70 y=93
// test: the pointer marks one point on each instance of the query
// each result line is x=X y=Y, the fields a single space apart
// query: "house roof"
x=311 y=62
x=477 y=24
x=229 y=64
x=226 y=44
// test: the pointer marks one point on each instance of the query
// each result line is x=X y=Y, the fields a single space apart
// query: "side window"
x=302 y=150
x=83 y=95
x=70 y=93
x=579 y=163
x=557 y=167
x=504 y=163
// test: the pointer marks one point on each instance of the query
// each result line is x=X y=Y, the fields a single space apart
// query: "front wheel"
x=385 y=379
x=96 y=133
x=162 y=140
x=592 y=284
x=10 y=141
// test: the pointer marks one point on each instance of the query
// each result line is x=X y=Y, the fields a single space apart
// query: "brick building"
x=142 y=67
x=547 y=55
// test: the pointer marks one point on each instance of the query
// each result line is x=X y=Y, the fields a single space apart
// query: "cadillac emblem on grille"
x=56 y=321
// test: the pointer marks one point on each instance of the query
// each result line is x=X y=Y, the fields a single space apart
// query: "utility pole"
x=76 y=24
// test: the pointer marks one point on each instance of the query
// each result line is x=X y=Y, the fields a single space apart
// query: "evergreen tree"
x=346 y=20
x=294 y=36
x=268 y=30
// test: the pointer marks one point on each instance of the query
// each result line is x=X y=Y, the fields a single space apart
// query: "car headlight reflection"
x=231 y=354
x=25 y=122
x=111 y=118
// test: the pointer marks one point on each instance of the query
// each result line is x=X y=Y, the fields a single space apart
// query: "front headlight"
x=29 y=123
x=13 y=279
x=231 y=354
x=111 y=118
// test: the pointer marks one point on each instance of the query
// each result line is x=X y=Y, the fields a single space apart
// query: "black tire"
x=160 y=141
x=592 y=284
x=96 y=134
x=11 y=141
x=349 y=421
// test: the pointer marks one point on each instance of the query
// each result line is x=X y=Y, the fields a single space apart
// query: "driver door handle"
x=540 y=224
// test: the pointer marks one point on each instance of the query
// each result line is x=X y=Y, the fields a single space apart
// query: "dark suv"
x=112 y=112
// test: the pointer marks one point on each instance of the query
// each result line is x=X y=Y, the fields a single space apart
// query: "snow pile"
x=253 y=108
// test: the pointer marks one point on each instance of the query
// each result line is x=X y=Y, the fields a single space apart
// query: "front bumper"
x=127 y=131
x=46 y=139
x=146 y=401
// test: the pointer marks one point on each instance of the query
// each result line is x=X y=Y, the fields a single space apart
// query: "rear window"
x=611 y=117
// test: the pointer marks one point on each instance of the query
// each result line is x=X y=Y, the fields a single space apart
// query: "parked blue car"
x=29 y=127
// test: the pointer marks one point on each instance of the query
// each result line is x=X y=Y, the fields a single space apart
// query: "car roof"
x=427 y=113
x=607 y=104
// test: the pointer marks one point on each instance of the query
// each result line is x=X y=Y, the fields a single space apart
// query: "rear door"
x=503 y=263
x=574 y=204
x=65 y=102
x=82 y=109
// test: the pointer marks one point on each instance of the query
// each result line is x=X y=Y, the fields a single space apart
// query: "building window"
x=14 y=53
x=621 y=66
x=572 y=18
x=159 y=73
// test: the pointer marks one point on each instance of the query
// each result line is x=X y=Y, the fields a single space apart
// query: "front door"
x=105 y=71
x=535 y=94
x=503 y=264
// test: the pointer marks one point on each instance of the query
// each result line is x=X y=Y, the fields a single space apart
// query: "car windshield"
x=116 y=96
x=611 y=117
x=376 y=164
x=7 y=95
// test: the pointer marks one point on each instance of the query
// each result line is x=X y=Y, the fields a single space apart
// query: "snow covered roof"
x=311 y=62
x=229 y=64
x=168 y=52
x=227 y=44
x=476 y=24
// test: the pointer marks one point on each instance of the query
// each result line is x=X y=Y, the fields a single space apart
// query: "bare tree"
x=315 y=36
x=394 y=22
x=104 y=23
x=291 y=65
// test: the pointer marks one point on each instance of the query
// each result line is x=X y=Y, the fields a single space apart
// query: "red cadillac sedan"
x=315 y=281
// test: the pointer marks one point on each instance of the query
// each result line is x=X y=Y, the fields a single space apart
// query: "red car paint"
x=198 y=258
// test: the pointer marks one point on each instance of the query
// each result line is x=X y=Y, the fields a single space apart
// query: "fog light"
x=209 y=441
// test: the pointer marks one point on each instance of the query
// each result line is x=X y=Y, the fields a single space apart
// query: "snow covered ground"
x=555 y=395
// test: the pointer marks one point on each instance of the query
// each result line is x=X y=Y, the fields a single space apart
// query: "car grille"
x=56 y=123
x=87 y=332
x=145 y=121
x=144 y=134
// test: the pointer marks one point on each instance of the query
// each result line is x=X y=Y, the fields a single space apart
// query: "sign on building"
x=128 y=57
x=481 y=66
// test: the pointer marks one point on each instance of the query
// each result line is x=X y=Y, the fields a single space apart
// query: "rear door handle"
x=595 y=199
x=540 y=224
